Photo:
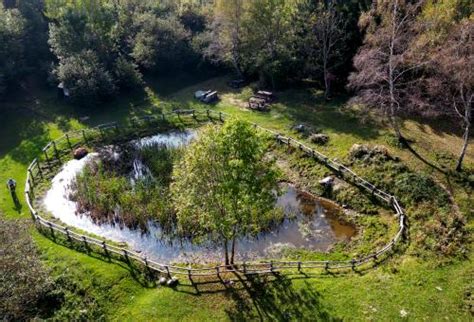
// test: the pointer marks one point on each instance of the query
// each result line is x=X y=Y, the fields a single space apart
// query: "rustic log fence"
x=58 y=150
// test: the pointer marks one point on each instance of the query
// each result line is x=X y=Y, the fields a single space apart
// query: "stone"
x=172 y=281
x=300 y=128
x=80 y=153
x=162 y=281
x=319 y=138
x=328 y=181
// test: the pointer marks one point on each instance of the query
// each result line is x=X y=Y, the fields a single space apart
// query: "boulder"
x=328 y=181
x=80 y=153
x=172 y=281
x=162 y=281
x=319 y=138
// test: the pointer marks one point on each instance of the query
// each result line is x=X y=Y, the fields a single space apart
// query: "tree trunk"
x=395 y=125
x=226 y=253
x=232 y=252
x=326 y=85
x=391 y=75
x=464 y=147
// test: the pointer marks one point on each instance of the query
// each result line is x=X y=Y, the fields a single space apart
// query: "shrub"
x=85 y=77
x=24 y=281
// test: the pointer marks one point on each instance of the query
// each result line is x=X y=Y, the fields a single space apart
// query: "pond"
x=310 y=223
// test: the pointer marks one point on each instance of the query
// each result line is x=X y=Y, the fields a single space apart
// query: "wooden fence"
x=59 y=150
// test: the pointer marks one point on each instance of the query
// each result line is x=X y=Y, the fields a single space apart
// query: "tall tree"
x=271 y=39
x=327 y=41
x=451 y=83
x=224 y=187
x=227 y=34
x=12 y=49
x=384 y=71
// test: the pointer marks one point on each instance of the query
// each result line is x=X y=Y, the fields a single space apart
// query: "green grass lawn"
x=424 y=289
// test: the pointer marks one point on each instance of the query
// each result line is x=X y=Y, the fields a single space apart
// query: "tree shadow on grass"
x=277 y=300
x=24 y=140
x=302 y=106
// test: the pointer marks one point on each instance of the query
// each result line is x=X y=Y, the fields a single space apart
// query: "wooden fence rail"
x=62 y=146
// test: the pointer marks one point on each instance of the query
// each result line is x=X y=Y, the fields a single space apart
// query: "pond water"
x=310 y=223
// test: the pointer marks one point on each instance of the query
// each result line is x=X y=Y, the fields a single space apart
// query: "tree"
x=85 y=77
x=161 y=42
x=224 y=187
x=270 y=40
x=12 y=32
x=384 y=76
x=327 y=41
x=227 y=34
x=452 y=78
x=23 y=278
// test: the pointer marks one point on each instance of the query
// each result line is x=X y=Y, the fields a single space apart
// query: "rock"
x=328 y=181
x=320 y=138
x=162 y=281
x=80 y=153
x=300 y=128
x=172 y=281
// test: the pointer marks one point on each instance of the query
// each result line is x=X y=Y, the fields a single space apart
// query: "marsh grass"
x=106 y=190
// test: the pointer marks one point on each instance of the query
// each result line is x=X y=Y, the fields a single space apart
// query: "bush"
x=414 y=188
x=86 y=78
x=24 y=281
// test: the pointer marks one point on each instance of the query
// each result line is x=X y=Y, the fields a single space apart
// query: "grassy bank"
x=431 y=288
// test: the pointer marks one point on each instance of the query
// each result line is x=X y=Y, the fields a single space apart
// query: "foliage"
x=24 y=281
x=383 y=67
x=86 y=78
x=107 y=190
x=12 y=30
x=224 y=187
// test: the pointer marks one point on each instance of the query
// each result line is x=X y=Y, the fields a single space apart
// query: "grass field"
x=404 y=287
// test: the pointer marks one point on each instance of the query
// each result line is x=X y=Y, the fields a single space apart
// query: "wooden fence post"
x=46 y=155
x=51 y=228
x=68 y=142
x=56 y=153
x=84 y=136
x=244 y=266
x=104 y=247
x=68 y=235
x=218 y=272
x=39 y=168
x=168 y=271
x=125 y=254
x=190 y=276
x=299 y=267
x=353 y=261
x=32 y=178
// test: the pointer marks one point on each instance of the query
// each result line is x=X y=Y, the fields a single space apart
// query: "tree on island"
x=224 y=187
